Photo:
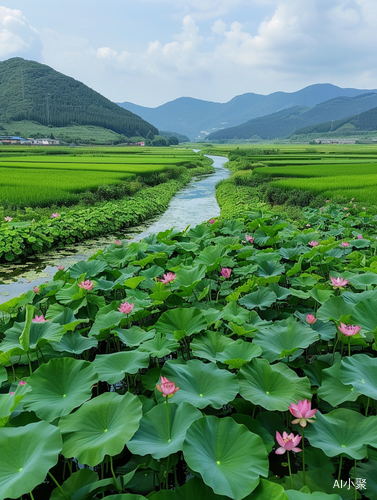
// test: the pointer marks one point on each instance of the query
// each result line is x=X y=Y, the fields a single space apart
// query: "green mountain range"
x=37 y=93
x=287 y=121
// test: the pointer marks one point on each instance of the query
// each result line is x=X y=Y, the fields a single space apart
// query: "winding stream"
x=194 y=204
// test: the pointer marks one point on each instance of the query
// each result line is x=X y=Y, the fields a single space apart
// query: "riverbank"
x=20 y=239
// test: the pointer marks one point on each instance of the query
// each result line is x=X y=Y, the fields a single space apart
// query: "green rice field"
x=43 y=176
x=349 y=172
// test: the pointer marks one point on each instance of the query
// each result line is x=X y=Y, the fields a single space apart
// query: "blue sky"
x=152 y=51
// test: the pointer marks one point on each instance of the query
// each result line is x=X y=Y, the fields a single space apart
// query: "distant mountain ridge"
x=286 y=122
x=35 y=92
x=197 y=118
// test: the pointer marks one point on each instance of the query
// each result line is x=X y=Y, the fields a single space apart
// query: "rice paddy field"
x=334 y=172
x=42 y=176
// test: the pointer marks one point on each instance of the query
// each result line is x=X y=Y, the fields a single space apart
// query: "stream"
x=193 y=204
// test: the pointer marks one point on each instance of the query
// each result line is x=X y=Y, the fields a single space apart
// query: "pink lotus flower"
x=352 y=199
x=327 y=201
x=118 y=243
x=322 y=209
x=311 y=319
x=22 y=382
x=11 y=393
x=349 y=330
x=364 y=209
x=354 y=206
x=54 y=215
x=345 y=244
x=250 y=239
x=288 y=442
x=8 y=219
x=86 y=285
x=167 y=278
x=36 y=289
x=212 y=221
x=359 y=236
x=313 y=243
x=166 y=387
x=345 y=208
x=38 y=319
x=338 y=282
x=126 y=308
x=226 y=272
x=60 y=268
x=307 y=225
x=303 y=412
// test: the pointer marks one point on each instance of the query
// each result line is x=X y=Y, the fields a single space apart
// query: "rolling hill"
x=197 y=118
x=286 y=122
x=37 y=93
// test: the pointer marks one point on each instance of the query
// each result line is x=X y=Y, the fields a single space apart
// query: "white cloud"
x=17 y=37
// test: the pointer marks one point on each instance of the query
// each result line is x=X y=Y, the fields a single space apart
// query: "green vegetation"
x=36 y=93
x=195 y=351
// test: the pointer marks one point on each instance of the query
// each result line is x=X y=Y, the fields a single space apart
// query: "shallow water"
x=194 y=204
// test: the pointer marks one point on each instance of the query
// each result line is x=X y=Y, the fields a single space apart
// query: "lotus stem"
x=114 y=476
x=349 y=348
x=168 y=417
x=30 y=368
x=167 y=474
x=367 y=408
x=290 y=470
x=340 y=467
x=355 y=479
x=31 y=496
x=58 y=485
x=303 y=456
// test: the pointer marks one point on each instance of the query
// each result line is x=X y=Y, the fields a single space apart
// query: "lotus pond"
x=235 y=359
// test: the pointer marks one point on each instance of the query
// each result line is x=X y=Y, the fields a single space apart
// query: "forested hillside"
x=35 y=92
x=286 y=122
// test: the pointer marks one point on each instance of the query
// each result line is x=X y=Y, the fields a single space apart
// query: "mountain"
x=286 y=122
x=362 y=122
x=197 y=118
x=35 y=92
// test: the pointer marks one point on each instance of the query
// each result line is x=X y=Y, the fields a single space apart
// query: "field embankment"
x=108 y=192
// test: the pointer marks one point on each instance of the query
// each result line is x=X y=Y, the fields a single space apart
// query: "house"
x=11 y=139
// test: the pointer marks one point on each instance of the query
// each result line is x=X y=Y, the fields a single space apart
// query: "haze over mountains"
x=196 y=118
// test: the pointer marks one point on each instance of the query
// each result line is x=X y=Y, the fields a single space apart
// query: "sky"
x=149 y=52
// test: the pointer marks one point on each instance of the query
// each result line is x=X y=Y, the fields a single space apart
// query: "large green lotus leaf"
x=365 y=314
x=333 y=390
x=64 y=317
x=320 y=296
x=193 y=489
x=255 y=427
x=326 y=331
x=109 y=320
x=262 y=298
x=267 y=490
x=134 y=336
x=119 y=257
x=112 y=367
x=362 y=281
x=159 y=346
x=90 y=269
x=185 y=321
x=74 y=343
x=3 y=375
x=274 y=387
x=100 y=427
x=316 y=495
x=201 y=384
x=188 y=278
x=235 y=313
x=160 y=292
x=269 y=268
x=27 y=454
x=60 y=386
x=38 y=335
x=360 y=371
x=367 y=471
x=220 y=451
x=284 y=337
x=342 y=431
x=126 y=496
x=208 y=345
x=152 y=437
x=70 y=294
x=74 y=483
x=333 y=309
x=211 y=256
x=239 y=353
